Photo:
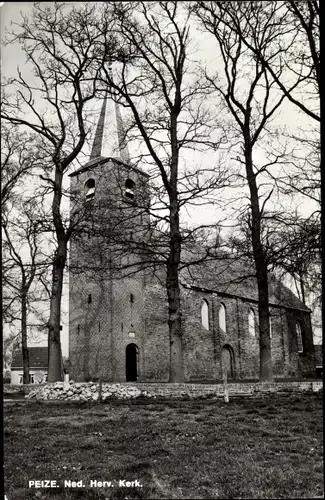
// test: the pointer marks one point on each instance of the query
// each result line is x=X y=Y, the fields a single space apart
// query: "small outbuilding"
x=38 y=366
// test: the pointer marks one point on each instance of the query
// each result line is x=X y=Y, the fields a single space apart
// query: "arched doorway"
x=131 y=362
x=228 y=361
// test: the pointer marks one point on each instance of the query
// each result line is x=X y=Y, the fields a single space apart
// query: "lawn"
x=267 y=447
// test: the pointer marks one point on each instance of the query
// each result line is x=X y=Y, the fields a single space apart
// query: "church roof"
x=237 y=278
x=98 y=161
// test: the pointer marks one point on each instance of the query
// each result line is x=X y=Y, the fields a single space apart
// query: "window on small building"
x=129 y=189
x=205 y=314
x=251 y=323
x=31 y=378
x=299 y=338
x=90 y=189
x=222 y=318
x=20 y=379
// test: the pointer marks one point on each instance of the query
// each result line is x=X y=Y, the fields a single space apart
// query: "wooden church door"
x=131 y=363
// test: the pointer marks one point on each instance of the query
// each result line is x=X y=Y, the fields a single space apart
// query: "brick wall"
x=234 y=389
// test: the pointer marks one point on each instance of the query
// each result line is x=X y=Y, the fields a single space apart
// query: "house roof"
x=319 y=355
x=38 y=358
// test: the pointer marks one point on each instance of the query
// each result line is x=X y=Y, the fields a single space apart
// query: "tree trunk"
x=59 y=262
x=266 y=371
x=174 y=323
x=24 y=345
x=173 y=293
x=54 y=342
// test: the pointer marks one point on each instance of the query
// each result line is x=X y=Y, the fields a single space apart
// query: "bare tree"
x=250 y=94
x=291 y=56
x=165 y=98
x=294 y=249
x=292 y=59
x=65 y=56
x=16 y=166
x=290 y=53
x=22 y=265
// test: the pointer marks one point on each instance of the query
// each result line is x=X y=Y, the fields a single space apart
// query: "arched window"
x=222 y=318
x=90 y=189
x=129 y=188
x=251 y=323
x=300 y=344
x=205 y=314
x=270 y=323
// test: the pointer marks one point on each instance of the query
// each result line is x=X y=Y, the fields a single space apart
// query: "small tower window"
x=251 y=323
x=205 y=314
x=129 y=189
x=90 y=189
x=300 y=344
x=131 y=298
x=89 y=299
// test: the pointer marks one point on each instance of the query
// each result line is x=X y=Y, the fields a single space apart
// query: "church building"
x=118 y=328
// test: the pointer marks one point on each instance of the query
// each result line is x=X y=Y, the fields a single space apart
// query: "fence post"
x=225 y=385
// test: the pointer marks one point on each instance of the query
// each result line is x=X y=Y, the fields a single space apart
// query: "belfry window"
x=90 y=189
x=300 y=344
x=129 y=189
x=205 y=314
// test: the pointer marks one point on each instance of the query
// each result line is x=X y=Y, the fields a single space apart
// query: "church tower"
x=109 y=204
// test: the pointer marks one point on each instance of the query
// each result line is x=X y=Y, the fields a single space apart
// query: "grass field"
x=268 y=447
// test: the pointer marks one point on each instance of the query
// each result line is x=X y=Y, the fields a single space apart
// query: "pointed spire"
x=109 y=139
x=121 y=135
x=96 y=150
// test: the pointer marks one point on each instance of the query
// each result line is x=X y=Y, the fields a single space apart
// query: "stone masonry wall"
x=90 y=392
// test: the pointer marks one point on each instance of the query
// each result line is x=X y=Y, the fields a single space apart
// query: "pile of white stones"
x=86 y=391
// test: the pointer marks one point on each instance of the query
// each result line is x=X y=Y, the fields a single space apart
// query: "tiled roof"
x=319 y=355
x=38 y=358
x=235 y=277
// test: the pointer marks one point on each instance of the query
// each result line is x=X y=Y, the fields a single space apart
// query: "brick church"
x=118 y=327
